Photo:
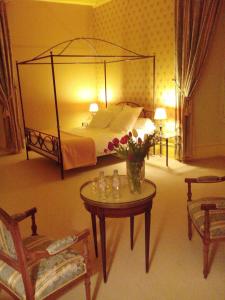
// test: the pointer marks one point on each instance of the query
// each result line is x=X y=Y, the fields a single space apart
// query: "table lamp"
x=93 y=108
x=160 y=115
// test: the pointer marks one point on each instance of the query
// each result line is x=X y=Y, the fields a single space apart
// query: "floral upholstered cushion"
x=217 y=217
x=48 y=275
x=6 y=241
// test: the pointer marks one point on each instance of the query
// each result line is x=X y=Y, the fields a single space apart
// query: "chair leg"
x=189 y=228
x=206 y=258
x=88 y=288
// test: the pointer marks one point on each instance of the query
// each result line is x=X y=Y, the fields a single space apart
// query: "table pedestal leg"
x=167 y=152
x=93 y=219
x=154 y=149
x=147 y=238
x=132 y=232
x=160 y=145
x=103 y=245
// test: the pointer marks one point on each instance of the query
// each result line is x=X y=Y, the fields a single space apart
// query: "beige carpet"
x=175 y=262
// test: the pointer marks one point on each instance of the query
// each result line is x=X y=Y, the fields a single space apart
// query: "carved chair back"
x=206 y=214
x=25 y=264
x=12 y=250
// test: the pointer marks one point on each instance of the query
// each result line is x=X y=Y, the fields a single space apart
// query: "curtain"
x=8 y=99
x=194 y=24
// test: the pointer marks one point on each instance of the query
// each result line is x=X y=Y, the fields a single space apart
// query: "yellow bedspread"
x=77 y=151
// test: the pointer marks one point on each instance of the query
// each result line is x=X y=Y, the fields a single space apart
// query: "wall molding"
x=92 y=3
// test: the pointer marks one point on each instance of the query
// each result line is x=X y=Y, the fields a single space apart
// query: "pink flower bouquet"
x=131 y=147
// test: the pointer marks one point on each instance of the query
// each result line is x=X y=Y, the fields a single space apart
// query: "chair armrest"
x=35 y=256
x=82 y=235
x=57 y=246
x=210 y=206
x=65 y=243
x=209 y=179
x=205 y=179
x=25 y=214
x=61 y=245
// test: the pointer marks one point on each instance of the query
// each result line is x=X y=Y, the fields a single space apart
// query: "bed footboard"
x=44 y=144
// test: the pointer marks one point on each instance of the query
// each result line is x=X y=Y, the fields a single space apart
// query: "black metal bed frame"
x=49 y=145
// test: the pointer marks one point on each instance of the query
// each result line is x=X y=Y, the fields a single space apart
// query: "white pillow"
x=145 y=124
x=125 y=120
x=101 y=119
x=133 y=108
x=114 y=108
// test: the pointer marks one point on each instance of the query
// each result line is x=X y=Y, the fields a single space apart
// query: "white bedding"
x=101 y=137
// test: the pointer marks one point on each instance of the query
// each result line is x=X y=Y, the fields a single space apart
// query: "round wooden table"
x=127 y=205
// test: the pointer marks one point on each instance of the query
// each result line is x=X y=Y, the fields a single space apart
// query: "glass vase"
x=135 y=175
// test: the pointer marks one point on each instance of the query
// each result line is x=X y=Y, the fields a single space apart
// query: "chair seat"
x=217 y=217
x=49 y=274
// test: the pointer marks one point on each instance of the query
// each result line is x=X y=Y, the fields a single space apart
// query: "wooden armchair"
x=207 y=215
x=36 y=267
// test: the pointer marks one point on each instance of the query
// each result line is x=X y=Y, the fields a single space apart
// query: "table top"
x=91 y=195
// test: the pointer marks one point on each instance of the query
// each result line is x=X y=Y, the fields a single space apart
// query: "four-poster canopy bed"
x=60 y=144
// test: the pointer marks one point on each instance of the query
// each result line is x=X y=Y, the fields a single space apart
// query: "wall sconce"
x=93 y=108
x=160 y=115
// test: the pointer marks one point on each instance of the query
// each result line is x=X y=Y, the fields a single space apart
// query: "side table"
x=128 y=205
x=164 y=141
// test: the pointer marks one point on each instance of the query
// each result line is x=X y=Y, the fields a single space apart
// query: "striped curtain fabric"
x=8 y=99
x=194 y=24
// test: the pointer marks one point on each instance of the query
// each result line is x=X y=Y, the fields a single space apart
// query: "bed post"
x=153 y=82
x=106 y=100
x=21 y=102
x=60 y=158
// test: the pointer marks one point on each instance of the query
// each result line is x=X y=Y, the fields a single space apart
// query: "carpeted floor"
x=175 y=262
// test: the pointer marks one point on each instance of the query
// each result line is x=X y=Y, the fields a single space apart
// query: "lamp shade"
x=93 y=107
x=160 y=113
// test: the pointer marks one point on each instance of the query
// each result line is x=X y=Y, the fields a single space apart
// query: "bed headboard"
x=145 y=112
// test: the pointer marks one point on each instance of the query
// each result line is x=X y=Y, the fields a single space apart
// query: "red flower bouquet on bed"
x=134 y=150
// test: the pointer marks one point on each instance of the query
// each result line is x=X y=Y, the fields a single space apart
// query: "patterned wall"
x=146 y=27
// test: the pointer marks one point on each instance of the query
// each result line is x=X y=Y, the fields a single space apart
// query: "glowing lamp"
x=93 y=108
x=160 y=115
